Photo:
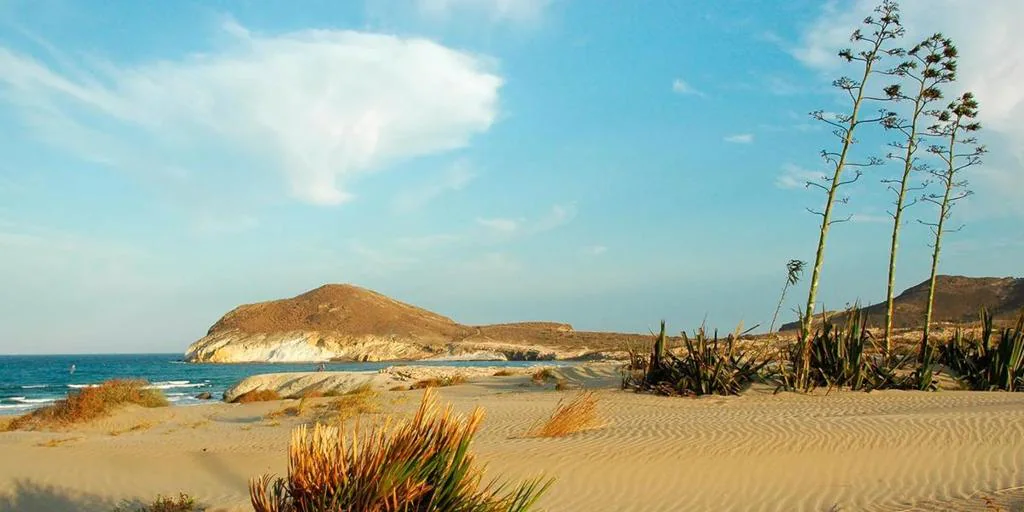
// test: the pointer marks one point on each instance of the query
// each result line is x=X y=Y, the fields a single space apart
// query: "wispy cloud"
x=680 y=86
x=454 y=178
x=793 y=176
x=500 y=225
x=319 y=107
x=595 y=250
x=740 y=138
x=495 y=10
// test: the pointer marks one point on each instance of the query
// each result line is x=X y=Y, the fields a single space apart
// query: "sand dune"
x=844 y=451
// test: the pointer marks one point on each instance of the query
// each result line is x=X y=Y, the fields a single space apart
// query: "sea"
x=29 y=382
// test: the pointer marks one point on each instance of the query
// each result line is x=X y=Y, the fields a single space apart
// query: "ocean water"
x=28 y=382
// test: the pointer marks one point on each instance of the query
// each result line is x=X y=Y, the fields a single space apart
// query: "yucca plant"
x=419 y=465
x=709 y=366
x=838 y=353
x=985 y=365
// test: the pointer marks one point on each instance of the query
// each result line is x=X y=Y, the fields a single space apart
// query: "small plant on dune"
x=355 y=402
x=183 y=503
x=53 y=443
x=439 y=382
x=419 y=464
x=503 y=373
x=709 y=366
x=577 y=415
x=86 y=404
x=257 y=395
x=541 y=376
x=984 y=364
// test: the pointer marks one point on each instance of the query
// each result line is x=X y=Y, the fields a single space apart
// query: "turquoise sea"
x=27 y=382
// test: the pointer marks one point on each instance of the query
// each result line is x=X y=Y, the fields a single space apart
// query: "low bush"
x=439 y=382
x=577 y=415
x=420 y=464
x=183 y=503
x=983 y=363
x=86 y=404
x=257 y=395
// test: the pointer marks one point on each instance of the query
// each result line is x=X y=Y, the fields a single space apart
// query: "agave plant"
x=709 y=366
x=985 y=365
x=420 y=465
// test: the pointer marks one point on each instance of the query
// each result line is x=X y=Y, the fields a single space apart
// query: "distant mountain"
x=958 y=299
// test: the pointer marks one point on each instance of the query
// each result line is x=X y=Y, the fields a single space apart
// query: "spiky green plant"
x=709 y=366
x=984 y=365
x=420 y=465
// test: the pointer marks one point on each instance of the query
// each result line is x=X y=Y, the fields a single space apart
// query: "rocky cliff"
x=345 y=322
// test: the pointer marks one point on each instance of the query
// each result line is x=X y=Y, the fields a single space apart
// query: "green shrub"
x=984 y=365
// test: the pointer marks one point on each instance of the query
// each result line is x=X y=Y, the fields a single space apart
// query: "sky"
x=602 y=163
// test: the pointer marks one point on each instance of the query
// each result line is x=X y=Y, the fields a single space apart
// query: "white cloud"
x=501 y=225
x=455 y=177
x=989 y=39
x=740 y=138
x=320 y=107
x=679 y=86
x=794 y=176
x=595 y=250
x=496 y=10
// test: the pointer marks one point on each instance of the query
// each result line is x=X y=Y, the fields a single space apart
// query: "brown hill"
x=341 y=321
x=958 y=300
x=340 y=308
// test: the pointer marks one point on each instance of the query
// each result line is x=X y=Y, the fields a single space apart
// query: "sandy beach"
x=890 y=450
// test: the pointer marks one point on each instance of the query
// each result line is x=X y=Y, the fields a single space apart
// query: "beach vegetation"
x=542 y=375
x=984 y=362
x=576 y=415
x=503 y=373
x=439 y=382
x=86 y=404
x=418 y=464
x=257 y=395
x=874 y=44
x=355 y=402
x=708 y=365
x=182 y=503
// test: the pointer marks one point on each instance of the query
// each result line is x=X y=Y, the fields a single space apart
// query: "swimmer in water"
x=72 y=369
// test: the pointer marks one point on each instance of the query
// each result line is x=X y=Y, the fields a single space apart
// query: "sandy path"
x=845 y=451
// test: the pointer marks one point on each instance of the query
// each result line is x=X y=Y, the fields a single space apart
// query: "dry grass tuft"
x=578 y=415
x=541 y=376
x=439 y=382
x=504 y=373
x=361 y=400
x=86 y=404
x=261 y=395
x=53 y=443
x=422 y=463
x=399 y=388
x=136 y=428
x=183 y=503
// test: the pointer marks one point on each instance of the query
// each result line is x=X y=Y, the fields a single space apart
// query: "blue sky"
x=602 y=163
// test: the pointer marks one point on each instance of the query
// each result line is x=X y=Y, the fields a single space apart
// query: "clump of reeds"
x=183 y=503
x=419 y=464
x=709 y=366
x=257 y=395
x=983 y=363
x=90 y=403
x=577 y=415
x=439 y=382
